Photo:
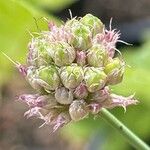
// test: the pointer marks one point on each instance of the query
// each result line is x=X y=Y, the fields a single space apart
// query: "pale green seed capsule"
x=97 y=56
x=63 y=95
x=81 y=35
x=93 y=23
x=64 y=54
x=50 y=76
x=32 y=78
x=95 y=78
x=115 y=70
x=38 y=52
x=44 y=78
x=78 y=110
x=71 y=76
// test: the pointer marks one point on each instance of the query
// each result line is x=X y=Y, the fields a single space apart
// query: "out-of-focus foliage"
x=52 y=5
x=17 y=16
x=137 y=80
x=16 y=19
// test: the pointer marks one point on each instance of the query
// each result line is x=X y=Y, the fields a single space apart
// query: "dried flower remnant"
x=71 y=68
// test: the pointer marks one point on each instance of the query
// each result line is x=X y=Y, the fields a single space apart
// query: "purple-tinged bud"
x=63 y=95
x=71 y=76
x=100 y=95
x=56 y=33
x=93 y=23
x=97 y=56
x=114 y=70
x=51 y=25
x=22 y=69
x=81 y=58
x=81 y=91
x=64 y=54
x=78 y=110
x=95 y=78
x=108 y=38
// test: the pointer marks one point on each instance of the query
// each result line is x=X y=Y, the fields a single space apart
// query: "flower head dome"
x=71 y=68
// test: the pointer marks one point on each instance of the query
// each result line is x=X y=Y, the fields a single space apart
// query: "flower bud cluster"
x=71 y=68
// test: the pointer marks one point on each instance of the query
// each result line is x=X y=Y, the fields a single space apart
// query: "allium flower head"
x=71 y=67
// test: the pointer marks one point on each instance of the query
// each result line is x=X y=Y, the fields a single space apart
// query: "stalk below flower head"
x=71 y=67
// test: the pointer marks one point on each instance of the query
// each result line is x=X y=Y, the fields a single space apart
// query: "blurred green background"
x=17 y=19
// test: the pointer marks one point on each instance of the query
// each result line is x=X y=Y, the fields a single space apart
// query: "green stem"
x=134 y=140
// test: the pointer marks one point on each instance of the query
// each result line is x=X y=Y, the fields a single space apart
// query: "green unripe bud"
x=93 y=23
x=81 y=35
x=50 y=76
x=32 y=78
x=38 y=52
x=78 y=110
x=63 y=95
x=71 y=76
x=63 y=54
x=95 y=78
x=97 y=56
x=114 y=70
x=43 y=78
